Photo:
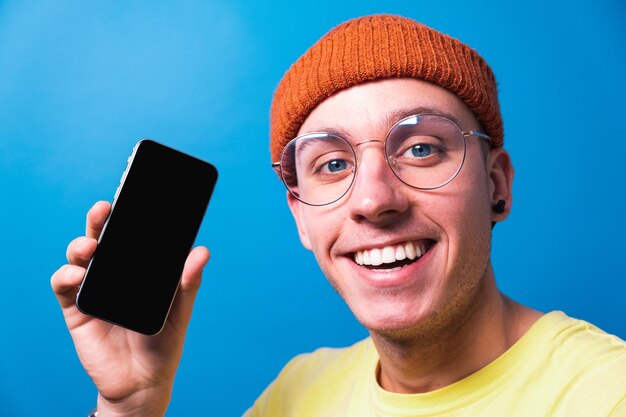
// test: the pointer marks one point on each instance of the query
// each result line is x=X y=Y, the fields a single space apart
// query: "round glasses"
x=425 y=151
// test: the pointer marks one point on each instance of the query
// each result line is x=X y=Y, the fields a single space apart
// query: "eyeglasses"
x=425 y=151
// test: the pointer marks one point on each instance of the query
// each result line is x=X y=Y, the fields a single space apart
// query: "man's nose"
x=377 y=195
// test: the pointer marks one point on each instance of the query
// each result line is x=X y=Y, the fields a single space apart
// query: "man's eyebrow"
x=302 y=145
x=337 y=131
x=391 y=119
x=395 y=116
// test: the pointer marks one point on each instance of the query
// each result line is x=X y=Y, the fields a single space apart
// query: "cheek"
x=464 y=216
x=459 y=213
x=469 y=205
x=322 y=227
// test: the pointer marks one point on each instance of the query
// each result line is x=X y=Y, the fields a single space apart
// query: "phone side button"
x=117 y=192
x=124 y=175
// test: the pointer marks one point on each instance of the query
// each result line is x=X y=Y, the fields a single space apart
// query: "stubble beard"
x=452 y=313
x=443 y=321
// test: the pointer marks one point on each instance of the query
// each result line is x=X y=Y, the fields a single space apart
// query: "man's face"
x=450 y=224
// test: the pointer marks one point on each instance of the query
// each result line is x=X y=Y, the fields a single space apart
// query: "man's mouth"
x=392 y=256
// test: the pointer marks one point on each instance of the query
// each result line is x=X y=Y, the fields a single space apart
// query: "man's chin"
x=401 y=328
x=427 y=327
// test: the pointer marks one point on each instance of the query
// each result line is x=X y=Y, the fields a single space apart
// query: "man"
x=388 y=136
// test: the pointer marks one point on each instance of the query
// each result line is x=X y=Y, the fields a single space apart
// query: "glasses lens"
x=425 y=151
x=319 y=168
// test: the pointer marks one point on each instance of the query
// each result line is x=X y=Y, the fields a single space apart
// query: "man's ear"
x=500 y=182
x=295 y=206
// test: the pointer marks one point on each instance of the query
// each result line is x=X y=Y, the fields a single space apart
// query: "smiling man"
x=389 y=139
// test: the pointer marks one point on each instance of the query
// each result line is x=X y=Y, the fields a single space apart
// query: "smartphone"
x=157 y=210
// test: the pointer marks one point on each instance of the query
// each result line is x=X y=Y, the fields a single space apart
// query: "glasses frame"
x=466 y=134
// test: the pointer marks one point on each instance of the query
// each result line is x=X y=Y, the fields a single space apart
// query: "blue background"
x=81 y=82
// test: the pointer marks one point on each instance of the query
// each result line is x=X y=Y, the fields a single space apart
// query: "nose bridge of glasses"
x=368 y=142
x=376 y=163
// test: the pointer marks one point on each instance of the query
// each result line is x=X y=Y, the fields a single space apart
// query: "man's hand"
x=133 y=373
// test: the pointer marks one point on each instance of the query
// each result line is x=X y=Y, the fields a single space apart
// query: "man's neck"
x=425 y=364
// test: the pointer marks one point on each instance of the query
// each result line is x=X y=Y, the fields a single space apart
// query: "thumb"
x=192 y=272
x=182 y=306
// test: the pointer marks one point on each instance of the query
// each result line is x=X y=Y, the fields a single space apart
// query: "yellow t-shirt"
x=560 y=367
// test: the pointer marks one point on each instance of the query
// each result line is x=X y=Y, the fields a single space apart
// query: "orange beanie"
x=378 y=47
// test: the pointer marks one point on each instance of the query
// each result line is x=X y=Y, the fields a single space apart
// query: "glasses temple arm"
x=477 y=134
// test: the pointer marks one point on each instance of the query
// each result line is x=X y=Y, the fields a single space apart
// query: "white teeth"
x=366 y=258
x=400 y=253
x=390 y=254
x=418 y=250
x=422 y=248
x=375 y=257
x=410 y=250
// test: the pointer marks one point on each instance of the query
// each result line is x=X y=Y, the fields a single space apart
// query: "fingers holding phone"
x=135 y=271
x=134 y=266
x=96 y=218
x=66 y=280
x=80 y=251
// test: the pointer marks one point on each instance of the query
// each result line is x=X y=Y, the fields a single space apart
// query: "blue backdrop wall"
x=81 y=82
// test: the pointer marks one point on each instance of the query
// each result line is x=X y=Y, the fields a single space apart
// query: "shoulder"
x=327 y=362
x=575 y=338
x=587 y=363
x=313 y=380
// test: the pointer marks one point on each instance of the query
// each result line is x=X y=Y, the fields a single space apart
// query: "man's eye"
x=420 y=150
x=336 y=165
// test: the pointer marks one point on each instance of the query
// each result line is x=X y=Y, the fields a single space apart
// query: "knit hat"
x=378 y=47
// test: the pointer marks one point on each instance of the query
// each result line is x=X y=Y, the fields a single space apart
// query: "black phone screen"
x=133 y=275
